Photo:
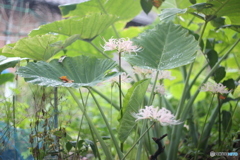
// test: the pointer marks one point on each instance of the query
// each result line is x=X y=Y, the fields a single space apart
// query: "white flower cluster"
x=164 y=116
x=121 y=45
x=214 y=88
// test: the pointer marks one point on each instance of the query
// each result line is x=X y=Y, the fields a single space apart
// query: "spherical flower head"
x=214 y=88
x=164 y=116
x=122 y=45
x=110 y=45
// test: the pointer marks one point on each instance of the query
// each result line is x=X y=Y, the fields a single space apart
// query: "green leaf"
x=230 y=84
x=233 y=27
x=131 y=104
x=226 y=120
x=84 y=71
x=218 y=8
x=8 y=62
x=219 y=74
x=164 y=47
x=80 y=144
x=41 y=47
x=6 y=77
x=69 y=146
x=87 y=27
x=169 y=13
x=146 y=6
x=7 y=50
x=212 y=57
x=125 y=10
x=92 y=145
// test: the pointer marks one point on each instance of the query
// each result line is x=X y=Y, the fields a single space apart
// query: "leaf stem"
x=120 y=155
x=95 y=131
x=138 y=141
x=200 y=139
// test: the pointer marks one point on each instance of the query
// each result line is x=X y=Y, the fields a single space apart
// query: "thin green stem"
x=107 y=99
x=120 y=93
x=80 y=124
x=152 y=92
x=95 y=131
x=145 y=122
x=120 y=155
x=138 y=141
x=219 y=122
x=200 y=139
x=99 y=50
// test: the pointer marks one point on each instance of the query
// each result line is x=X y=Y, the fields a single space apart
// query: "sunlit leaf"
x=82 y=70
x=87 y=27
x=131 y=104
x=41 y=47
x=121 y=8
x=7 y=50
x=164 y=47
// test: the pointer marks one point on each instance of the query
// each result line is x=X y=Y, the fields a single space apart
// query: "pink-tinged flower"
x=158 y=89
x=121 y=45
x=214 y=87
x=110 y=45
x=164 y=74
x=164 y=116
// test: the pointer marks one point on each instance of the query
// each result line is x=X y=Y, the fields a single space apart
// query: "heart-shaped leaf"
x=72 y=72
x=41 y=47
x=87 y=27
x=164 y=47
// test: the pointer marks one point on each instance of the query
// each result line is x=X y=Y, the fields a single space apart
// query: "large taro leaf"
x=229 y=8
x=41 y=47
x=164 y=47
x=87 y=27
x=84 y=71
x=7 y=50
x=131 y=104
x=123 y=9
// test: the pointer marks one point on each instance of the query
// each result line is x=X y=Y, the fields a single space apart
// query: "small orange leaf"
x=222 y=97
x=65 y=79
x=157 y=3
